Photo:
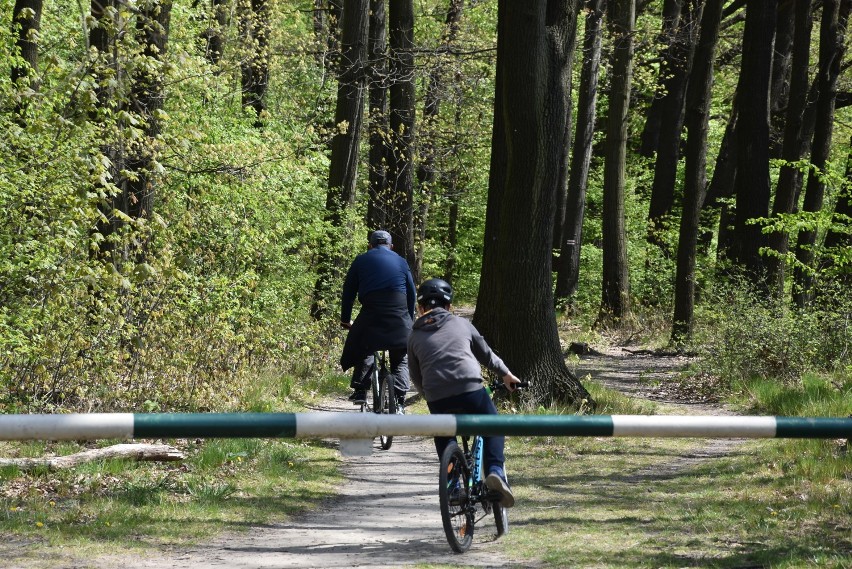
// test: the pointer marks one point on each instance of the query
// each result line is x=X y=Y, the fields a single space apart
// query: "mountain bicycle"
x=383 y=392
x=463 y=496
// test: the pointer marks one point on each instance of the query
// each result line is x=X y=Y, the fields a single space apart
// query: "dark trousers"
x=473 y=403
x=398 y=368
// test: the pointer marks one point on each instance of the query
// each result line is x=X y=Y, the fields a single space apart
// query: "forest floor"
x=387 y=514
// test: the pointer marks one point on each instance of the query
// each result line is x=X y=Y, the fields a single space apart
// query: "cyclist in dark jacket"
x=444 y=356
x=382 y=282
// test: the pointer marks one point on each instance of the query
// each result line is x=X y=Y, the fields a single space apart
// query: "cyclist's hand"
x=510 y=381
x=347 y=325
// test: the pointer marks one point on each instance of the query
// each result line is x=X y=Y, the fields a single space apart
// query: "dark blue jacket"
x=378 y=269
x=384 y=286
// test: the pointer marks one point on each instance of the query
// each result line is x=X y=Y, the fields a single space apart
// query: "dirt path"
x=387 y=514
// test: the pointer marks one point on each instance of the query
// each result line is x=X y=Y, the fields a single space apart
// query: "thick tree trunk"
x=436 y=91
x=568 y=272
x=667 y=38
x=779 y=82
x=698 y=98
x=752 y=181
x=521 y=322
x=671 y=124
x=402 y=101
x=789 y=178
x=615 y=302
x=378 y=116
x=343 y=168
x=562 y=40
x=835 y=14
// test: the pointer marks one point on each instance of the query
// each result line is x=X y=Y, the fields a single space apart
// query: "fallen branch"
x=127 y=451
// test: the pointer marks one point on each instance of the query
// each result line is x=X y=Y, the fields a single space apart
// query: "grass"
x=582 y=502
x=102 y=507
x=605 y=502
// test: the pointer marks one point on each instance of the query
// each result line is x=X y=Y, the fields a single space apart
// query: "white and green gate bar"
x=348 y=425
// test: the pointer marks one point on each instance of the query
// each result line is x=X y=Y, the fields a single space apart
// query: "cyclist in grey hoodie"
x=444 y=356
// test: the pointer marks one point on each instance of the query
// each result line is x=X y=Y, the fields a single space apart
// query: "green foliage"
x=748 y=337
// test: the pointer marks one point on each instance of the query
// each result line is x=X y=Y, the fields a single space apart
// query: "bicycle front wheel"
x=387 y=406
x=456 y=508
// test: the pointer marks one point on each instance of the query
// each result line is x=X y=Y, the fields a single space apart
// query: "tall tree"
x=670 y=17
x=790 y=175
x=568 y=272
x=680 y=56
x=562 y=41
x=343 y=166
x=254 y=28
x=698 y=98
x=214 y=35
x=152 y=29
x=402 y=101
x=752 y=179
x=26 y=21
x=515 y=304
x=832 y=45
x=615 y=301
x=378 y=115
x=436 y=90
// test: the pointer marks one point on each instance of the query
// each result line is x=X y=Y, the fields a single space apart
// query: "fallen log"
x=135 y=451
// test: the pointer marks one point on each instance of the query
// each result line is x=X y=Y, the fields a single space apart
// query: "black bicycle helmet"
x=435 y=292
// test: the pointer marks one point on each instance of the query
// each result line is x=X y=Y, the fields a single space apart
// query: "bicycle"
x=464 y=498
x=384 y=394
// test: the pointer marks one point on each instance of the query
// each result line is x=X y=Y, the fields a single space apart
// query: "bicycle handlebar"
x=499 y=385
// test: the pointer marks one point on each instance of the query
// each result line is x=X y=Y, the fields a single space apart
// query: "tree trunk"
x=146 y=99
x=779 y=82
x=789 y=178
x=698 y=99
x=651 y=132
x=515 y=291
x=615 y=302
x=101 y=38
x=568 y=273
x=214 y=35
x=378 y=116
x=343 y=167
x=671 y=123
x=254 y=30
x=436 y=90
x=835 y=14
x=402 y=101
x=126 y=451
x=26 y=21
x=752 y=182
x=562 y=40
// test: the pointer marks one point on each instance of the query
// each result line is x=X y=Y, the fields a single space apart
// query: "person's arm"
x=350 y=291
x=414 y=369
x=411 y=294
x=486 y=356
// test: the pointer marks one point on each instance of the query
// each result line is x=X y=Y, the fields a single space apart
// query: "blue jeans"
x=472 y=403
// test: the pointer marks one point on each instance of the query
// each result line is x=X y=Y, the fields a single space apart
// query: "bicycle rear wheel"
x=387 y=406
x=456 y=509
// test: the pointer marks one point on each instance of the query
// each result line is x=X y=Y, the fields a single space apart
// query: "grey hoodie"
x=444 y=353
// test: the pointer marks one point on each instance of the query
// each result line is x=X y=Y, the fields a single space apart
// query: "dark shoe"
x=358 y=396
x=496 y=482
